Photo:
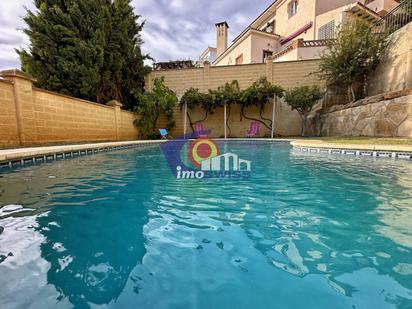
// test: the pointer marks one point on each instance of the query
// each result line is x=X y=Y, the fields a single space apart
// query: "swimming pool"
x=119 y=230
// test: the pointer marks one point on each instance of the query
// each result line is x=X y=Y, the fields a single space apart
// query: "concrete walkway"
x=366 y=146
x=20 y=153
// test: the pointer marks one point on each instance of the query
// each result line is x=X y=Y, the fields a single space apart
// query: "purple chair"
x=199 y=130
x=254 y=129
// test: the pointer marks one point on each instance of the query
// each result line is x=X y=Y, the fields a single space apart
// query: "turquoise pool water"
x=117 y=230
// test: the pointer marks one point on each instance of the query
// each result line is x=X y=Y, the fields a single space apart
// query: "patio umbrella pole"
x=185 y=122
x=224 y=123
x=273 y=115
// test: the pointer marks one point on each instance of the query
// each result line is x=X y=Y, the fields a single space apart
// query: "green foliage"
x=303 y=99
x=260 y=93
x=193 y=98
x=210 y=101
x=85 y=48
x=160 y=101
x=353 y=56
x=228 y=95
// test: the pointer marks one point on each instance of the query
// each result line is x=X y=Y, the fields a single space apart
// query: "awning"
x=296 y=33
x=361 y=11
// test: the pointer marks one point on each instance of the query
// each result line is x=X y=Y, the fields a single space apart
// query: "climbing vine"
x=228 y=95
x=259 y=94
x=193 y=98
x=160 y=101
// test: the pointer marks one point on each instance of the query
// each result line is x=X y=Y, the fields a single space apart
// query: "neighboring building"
x=293 y=30
x=209 y=55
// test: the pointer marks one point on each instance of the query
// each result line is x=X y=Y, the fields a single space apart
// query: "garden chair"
x=164 y=134
x=254 y=129
x=199 y=130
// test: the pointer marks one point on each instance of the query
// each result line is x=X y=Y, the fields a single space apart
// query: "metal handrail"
x=395 y=19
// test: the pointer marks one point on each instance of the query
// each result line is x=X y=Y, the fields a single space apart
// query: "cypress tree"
x=124 y=69
x=85 y=48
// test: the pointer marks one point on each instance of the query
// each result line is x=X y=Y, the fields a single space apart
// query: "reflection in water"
x=333 y=230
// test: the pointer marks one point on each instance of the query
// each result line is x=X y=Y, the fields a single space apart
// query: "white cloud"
x=175 y=29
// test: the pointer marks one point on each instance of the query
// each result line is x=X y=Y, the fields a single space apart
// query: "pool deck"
x=367 y=146
x=21 y=156
x=45 y=153
x=366 y=149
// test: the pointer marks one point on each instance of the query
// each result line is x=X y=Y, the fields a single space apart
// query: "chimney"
x=221 y=37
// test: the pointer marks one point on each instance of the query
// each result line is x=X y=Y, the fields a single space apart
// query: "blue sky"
x=175 y=29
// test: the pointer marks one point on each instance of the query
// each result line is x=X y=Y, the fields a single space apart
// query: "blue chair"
x=164 y=134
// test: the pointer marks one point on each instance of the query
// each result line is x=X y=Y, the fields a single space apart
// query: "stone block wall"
x=388 y=115
x=31 y=116
x=9 y=135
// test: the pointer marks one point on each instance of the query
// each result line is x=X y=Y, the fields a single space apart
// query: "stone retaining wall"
x=388 y=115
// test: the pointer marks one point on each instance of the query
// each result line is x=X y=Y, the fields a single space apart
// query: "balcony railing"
x=396 y=19
x=314 y=43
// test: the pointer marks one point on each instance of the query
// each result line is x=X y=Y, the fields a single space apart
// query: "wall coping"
x=15 y=73
x=6 y=81
x=72 y=98
x=114 y=103
x=369 y=100
x=234 y=66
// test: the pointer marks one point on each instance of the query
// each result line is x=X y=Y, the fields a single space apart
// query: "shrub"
x=303 y=99
x=161 y=100
x=353 y=56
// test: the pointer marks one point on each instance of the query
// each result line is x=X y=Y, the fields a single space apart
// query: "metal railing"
x=314 y=43
x=396 y=19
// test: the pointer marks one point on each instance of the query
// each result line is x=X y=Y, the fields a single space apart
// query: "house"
x=290 y=30
x=209 y=55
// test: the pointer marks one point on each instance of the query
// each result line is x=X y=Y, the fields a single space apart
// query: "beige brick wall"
x=9 y=135
x=59 y=119
x=285 y=74
x=31 y=116
x=127 y=129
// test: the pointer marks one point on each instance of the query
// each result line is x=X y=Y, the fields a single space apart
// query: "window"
x=293 y=8
x=239 y=60
x=327 y=31
x=266 y=54
x=270 y=27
